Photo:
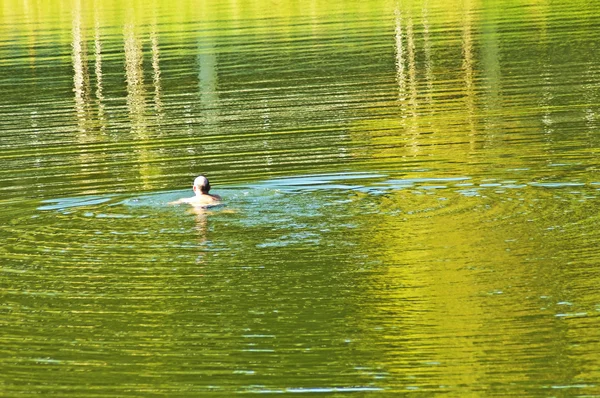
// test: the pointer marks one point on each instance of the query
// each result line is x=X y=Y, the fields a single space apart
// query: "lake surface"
x=411 y=198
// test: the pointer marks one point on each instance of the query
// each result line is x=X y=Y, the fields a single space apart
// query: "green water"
x=411 y=198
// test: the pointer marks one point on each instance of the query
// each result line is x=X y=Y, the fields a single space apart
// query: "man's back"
x=203 y=200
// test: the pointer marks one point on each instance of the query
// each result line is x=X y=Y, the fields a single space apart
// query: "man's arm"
x=179 y=201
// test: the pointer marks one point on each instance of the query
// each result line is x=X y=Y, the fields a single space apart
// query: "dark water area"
x=410 y=198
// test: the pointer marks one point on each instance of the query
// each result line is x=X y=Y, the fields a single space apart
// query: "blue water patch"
x=318 y=182
x=315 y=390
x=266 y=194
x=556 y=184
x=158 y=199
x=65 y=203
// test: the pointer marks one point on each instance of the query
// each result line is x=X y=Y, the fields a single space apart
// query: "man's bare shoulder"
x=205 y=200
x=202 y=200
x=180 y=201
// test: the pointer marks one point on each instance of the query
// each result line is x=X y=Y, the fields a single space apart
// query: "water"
x=411 y=194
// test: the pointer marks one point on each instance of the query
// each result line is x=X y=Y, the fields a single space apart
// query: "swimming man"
x=203 y=198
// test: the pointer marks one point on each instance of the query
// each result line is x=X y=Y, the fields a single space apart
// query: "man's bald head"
x=202 y=184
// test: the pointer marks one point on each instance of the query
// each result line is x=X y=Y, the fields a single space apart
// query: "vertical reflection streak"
x=413 y=127
x=492 y=73
x=406 y=56
x=400 y=73
x=80 y=68
x=467 y=66
x=136 y=100
x=98 y=70
x=427 y=54
x=82 y=90
x=207 y=81
x=592 y=88
x=546 y=101
x=546 y=81
x=158 y=107
x=98 y=60
x=135 y=78
x=412 y=73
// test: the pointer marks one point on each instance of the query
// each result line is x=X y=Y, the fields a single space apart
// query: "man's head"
x=201 y=184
